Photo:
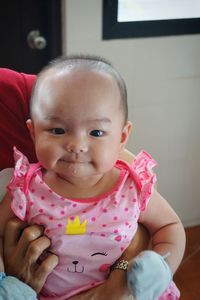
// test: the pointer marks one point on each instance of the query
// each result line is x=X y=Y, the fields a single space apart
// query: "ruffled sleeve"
x=17 y=185
x=145 y=178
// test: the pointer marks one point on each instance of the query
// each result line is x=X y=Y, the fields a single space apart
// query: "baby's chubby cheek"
x=105 y=163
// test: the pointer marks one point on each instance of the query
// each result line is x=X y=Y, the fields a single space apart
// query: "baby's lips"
x=104 y=268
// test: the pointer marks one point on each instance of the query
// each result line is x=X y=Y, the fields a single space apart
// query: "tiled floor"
x=187 y=277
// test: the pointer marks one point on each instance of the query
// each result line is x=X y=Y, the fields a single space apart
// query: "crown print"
x=75 y=226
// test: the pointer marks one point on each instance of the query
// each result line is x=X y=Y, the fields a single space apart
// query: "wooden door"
x=19 y=18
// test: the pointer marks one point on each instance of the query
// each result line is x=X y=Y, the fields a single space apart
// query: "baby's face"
x=78 y=123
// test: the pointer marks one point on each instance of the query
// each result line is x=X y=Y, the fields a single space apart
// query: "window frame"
x=112 y=29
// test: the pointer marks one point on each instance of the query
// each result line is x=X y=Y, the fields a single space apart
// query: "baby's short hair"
x=89 y=62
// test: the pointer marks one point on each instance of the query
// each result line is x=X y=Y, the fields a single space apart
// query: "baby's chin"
x=79 y=170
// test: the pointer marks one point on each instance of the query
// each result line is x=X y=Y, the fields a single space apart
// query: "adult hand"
x=22 y=248
x=114 y=288
x=140 y=242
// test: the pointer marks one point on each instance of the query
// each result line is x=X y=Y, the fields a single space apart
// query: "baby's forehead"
x=79 y=84
x=69 y=79
x=77 y=72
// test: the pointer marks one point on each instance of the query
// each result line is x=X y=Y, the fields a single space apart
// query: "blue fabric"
x=13 y=289
x=2 y=275
x=149 y=276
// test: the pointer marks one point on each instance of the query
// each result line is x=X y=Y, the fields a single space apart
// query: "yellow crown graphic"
x=75 y=226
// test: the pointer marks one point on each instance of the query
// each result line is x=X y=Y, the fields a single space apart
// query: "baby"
x=90 y=202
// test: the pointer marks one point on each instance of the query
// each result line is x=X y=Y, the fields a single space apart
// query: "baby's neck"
x=84 y=188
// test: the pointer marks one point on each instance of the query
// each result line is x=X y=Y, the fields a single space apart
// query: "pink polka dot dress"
x=88 y=235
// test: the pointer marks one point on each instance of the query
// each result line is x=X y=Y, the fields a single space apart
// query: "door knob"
x=35 y=40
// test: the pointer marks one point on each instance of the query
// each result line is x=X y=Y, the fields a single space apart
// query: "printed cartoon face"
x=84 y=260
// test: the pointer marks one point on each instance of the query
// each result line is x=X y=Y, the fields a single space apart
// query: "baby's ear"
x=30 y=126
x=125 y=134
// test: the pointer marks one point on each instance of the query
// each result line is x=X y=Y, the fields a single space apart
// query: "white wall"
x=163 y=81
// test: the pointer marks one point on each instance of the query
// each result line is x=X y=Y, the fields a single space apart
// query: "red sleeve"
x=15 y=91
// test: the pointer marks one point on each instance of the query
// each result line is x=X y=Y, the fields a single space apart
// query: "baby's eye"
x=97 y=133
x=57 y=131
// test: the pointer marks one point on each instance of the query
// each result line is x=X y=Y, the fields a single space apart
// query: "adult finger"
x=35 y=249
x=18 y=237
x=13 y=232
x=43 y=271
x=29 y=234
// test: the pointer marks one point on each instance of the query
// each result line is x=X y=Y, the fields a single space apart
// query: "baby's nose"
x=77 y=146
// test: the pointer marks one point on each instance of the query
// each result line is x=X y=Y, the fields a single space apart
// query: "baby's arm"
x=166 y=230
x=151 y=272
x=163 y=224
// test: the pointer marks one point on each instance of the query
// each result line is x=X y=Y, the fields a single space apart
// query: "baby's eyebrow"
x=52 y=118
x=101 y=120
x=96 y=120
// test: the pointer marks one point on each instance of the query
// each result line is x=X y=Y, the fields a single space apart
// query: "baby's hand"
x=149 y=275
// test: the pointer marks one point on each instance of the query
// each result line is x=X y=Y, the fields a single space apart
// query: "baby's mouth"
x=73 y=161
